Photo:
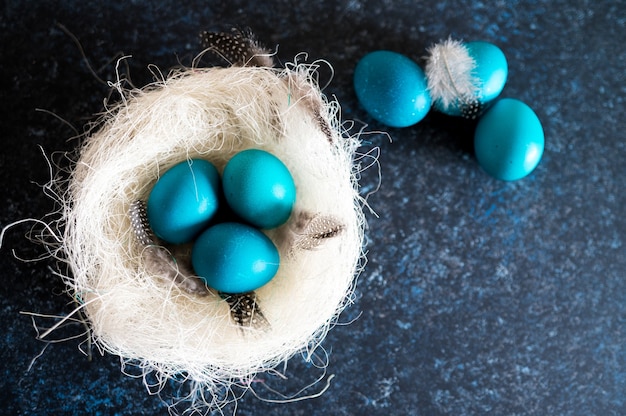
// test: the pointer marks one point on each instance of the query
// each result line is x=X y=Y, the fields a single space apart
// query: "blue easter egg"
x=259 y=188
x=183 y=200
x=509 y=140
x=491 y=69
x=234 y=258
x=392 y=88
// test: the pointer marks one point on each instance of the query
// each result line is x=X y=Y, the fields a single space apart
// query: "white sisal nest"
x=212 y=114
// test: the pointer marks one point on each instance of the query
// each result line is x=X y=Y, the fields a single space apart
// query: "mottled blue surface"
x=479 y=297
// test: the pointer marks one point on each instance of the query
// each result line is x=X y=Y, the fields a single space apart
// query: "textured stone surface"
x=479 y=297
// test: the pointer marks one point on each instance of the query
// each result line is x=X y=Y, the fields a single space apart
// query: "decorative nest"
x=134 y=294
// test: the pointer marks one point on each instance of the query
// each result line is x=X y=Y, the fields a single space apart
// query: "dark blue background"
x=479 y=297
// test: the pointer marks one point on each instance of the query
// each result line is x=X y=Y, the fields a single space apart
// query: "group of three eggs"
x=461 y=79
x=233 y=256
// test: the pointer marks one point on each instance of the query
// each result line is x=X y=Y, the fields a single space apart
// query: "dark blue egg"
x=392 y=88
x=183 y=201
x=234 y=258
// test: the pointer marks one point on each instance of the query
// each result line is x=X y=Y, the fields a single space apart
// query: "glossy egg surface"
x=509 y=140
x=183 y=200
x=259 y=188
x=491 y=69
x=234 y=258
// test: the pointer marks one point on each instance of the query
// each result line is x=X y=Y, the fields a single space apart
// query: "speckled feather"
x=324 y=126
x=237 y=47
x=244 y=310
x=139 y=222
x=158 y=260
x=312 y=231
x=471 y=109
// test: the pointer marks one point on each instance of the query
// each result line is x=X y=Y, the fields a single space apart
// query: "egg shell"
x=259 y=188
x=234 y=258
x=509 y=140
x=183 y=200
x=392 y=88
x=491 y=69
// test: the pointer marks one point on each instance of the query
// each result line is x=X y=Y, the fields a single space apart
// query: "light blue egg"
x=183 y=201
x=234 y=258
x=491 y=69
x=392 y=88
x=509 y=140
x=259 y=188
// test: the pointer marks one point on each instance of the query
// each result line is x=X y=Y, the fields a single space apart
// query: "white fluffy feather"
x=450 y=74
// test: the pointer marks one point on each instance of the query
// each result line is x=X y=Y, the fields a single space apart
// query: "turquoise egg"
x=509 y=140
x=392 y=88
x=259 y=188
x=234 y=258
x=491 y=73
x=183 y=201
x=491 y=69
